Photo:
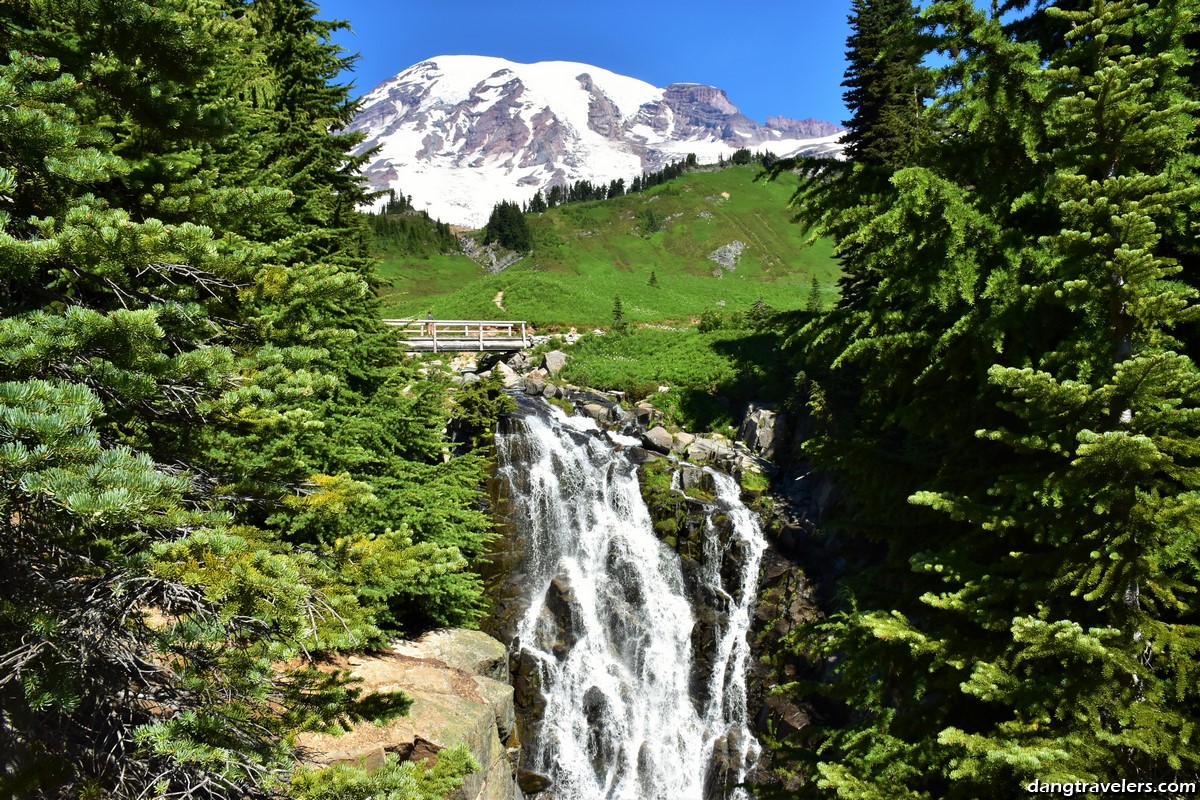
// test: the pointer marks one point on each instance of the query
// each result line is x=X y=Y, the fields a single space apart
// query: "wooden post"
x=481 y=337
x=434 y=326
x=524 y=341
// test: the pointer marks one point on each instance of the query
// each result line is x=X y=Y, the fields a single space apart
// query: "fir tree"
x=227 y=470
x=618 y=314
x=813 y=304
x=507 y=226
x=537 y=203
x=1009 y=410
x=885 y=84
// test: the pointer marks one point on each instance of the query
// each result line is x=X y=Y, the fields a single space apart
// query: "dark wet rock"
x=533 y=782
x=560 y=608
x=640 y=455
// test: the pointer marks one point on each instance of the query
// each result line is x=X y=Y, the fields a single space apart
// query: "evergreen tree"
x=213 y=464
x=537 y=204
x=886 y=86
x=618 y=314
x=507 y=226
x=1010 y=413
x=139 y=624
x=813 y=304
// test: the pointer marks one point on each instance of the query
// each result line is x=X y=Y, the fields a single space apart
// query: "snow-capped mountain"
x=460 y=133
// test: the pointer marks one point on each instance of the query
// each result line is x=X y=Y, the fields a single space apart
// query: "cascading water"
x=610 y=630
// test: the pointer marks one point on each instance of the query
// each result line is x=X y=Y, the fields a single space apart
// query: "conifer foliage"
x=1010 y=401
x=507 y=226
x=213 y=464
x=886 y=86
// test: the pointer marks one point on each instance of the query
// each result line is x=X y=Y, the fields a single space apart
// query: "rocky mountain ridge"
x=460 y=133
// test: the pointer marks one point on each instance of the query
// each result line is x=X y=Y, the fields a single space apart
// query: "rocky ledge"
x=760 y=437
x=459 y=685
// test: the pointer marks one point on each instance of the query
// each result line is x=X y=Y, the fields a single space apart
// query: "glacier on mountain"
x=461 y=133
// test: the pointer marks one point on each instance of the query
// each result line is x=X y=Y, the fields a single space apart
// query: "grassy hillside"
x=585 y=254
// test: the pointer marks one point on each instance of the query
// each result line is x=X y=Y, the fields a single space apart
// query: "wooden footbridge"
x=462 y=335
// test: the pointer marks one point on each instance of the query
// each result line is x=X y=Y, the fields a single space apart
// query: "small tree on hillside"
x=813 y=303
x=618 y=314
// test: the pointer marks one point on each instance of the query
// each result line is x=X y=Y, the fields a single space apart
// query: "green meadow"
x=586 y=254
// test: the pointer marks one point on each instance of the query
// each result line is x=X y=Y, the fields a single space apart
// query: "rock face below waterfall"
x=794 y=579
x=629 y=661
x=458 y=682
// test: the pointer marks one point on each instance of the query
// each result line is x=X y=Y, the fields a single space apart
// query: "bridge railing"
x=456 y=334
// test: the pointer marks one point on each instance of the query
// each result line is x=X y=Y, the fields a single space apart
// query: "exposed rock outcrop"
x=763 y=430
x=792 y=571
x=490 y=256
x=803 y=128
x=458 y=683
x=726 y=256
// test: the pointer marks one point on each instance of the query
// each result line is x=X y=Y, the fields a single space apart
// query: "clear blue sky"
x=771 y=57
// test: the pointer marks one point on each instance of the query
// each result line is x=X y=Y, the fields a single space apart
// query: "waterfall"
x=616 y=625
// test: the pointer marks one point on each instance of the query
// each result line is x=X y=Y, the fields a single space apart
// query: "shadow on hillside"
x=765 y=371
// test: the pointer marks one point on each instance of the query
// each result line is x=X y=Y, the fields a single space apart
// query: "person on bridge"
x=429 y=323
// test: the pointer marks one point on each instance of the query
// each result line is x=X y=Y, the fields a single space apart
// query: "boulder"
x=596 y=412
x=457 y=680
x=554 y=361
x=680 y=442
x=703 y=450
x=646 y=413
x=640 y=455
x=762 y=430
x=533 y=782
x=534 y=385
x=658 y=438
x=511 y=379
x=696 y=482
x=549 y=390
